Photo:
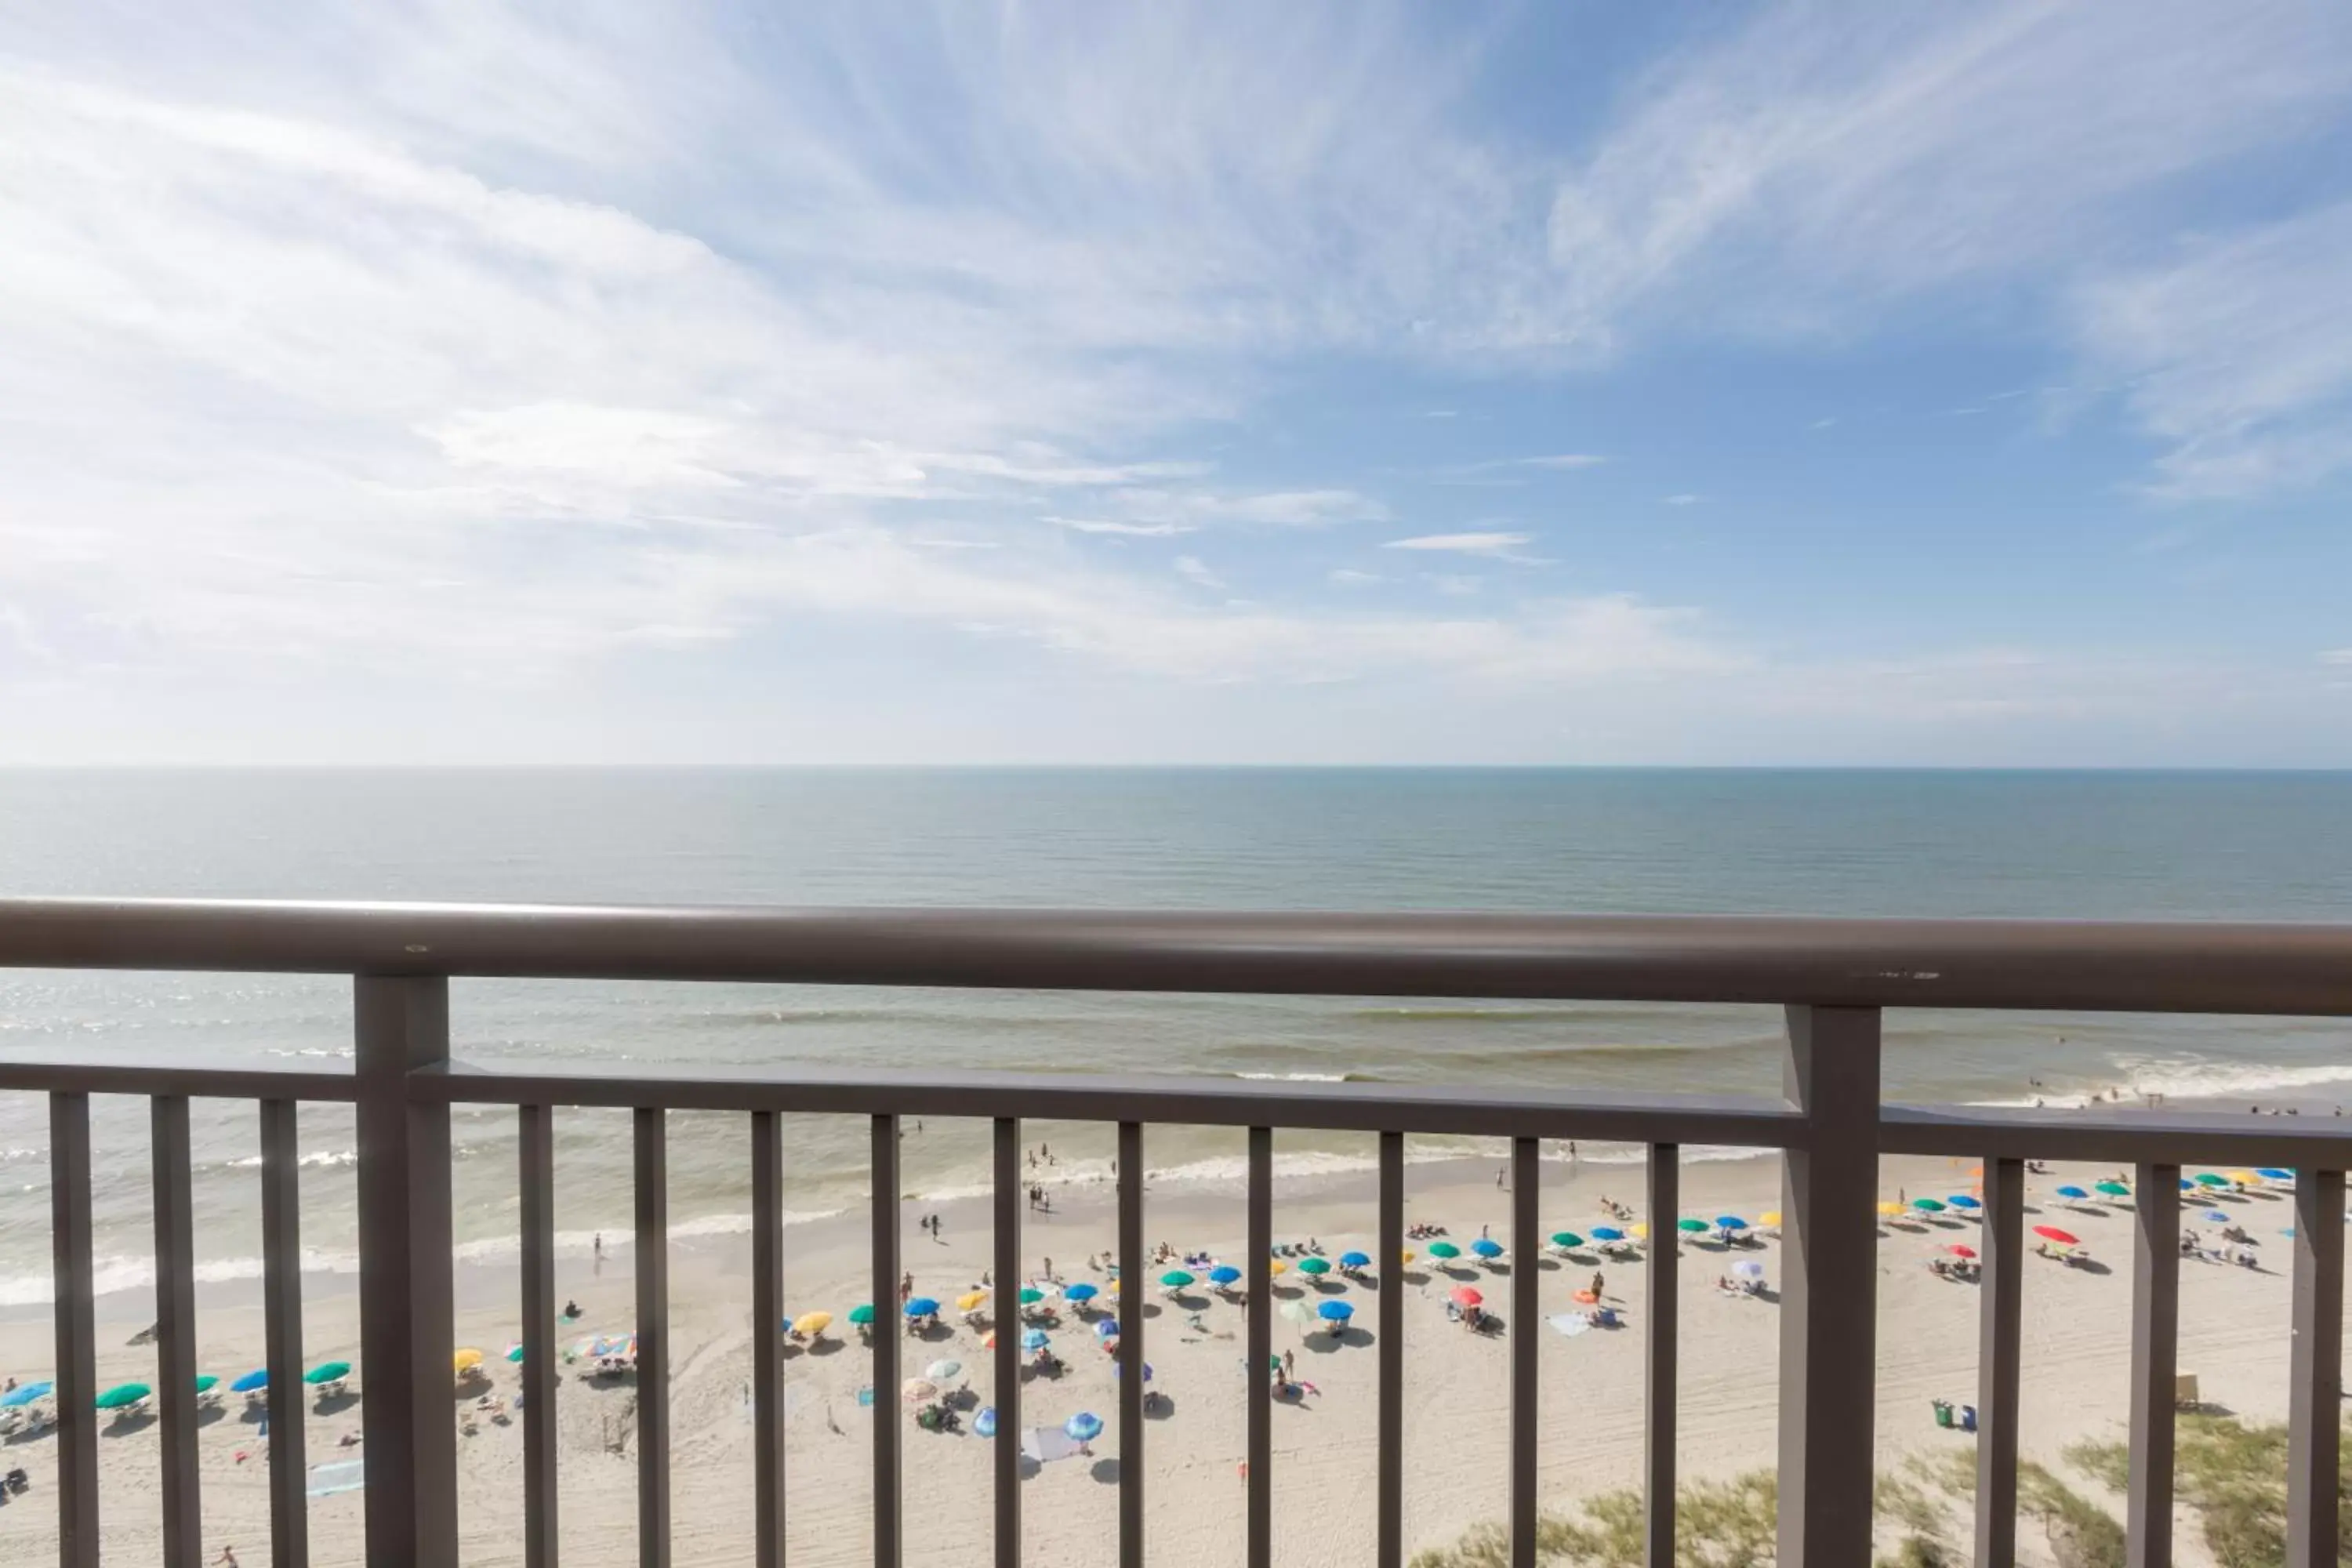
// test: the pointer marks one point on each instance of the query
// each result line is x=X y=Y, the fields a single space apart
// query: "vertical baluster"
x=535 y=1145
x=1829 y=1289
x=1389 y=1263
x=1134 y=1287
x=1005 y=1311
x=407 y=1315
x=889 y=1332
x=2156 y=1349
x=1662 y=1343
x=768 y=1341
x=175 y=1330
x=1526 y=1240
x=76 y=1376
x=2002 y=1246
x=2315 y=1400
x=281 y=1296
x=1259 y=1272
x=652 y=1336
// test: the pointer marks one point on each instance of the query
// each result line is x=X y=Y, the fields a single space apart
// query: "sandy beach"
x=2233 y=1336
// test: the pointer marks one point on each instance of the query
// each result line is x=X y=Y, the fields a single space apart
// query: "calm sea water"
x=2161 y=846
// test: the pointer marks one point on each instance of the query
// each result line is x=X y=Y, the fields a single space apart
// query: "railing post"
x=768 y=1341
x=407 y=1314
x=1829 y=1291
x=2316 y=1399
x=650 y=1128
x=2001 y=1243
x=281 y=1290
x=1660 y=1358
x=77 y=1373
x=2156 y=1359
x=175 y=1330
x=535 y=1180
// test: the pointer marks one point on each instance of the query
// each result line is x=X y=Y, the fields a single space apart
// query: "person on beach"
x=906 y=1288
x=227 y=1559
x=600 y=1252
x=1597 y=1283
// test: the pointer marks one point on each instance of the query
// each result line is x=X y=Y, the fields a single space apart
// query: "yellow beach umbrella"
x=1642 y=1231
x=1407 y=1254
x=812 y=1323
x=1890 y=1207
x=2245 y=1178
x=1276 y=1266
x=1770 y=1216
x=969 y=1299
x=466 y=1359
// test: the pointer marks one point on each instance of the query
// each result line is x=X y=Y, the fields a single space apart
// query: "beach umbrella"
x=1034 y=1339
x=2114 y=1189
x=1080 y=1291
x=328 y=1372
x=206 y=1382
x=2206 y=1180
x=1928 y=1205
x=1108 y=1329
x=1405 y=1254
x=1607 y=1233
x=1730 y=1222
x=922 y=1307
x=861 y=1313
x=2053 y=1234
x=1770 y=1216
x=1443 y=1249
x=1086 y=1427
x=24 y=1394
x=1315 y=1265
x=1177 y=1278
x=2077 y=1194
x=1298 y=1313
x=1485 y=1249
x=252 y=1382
x=970 y=1300
x=2244 y=1178
x=1223 y=1274
x=1276 y=1266
x=465 y=1361
x=122 y=1395
x=2273 y=1173
x=1890 y=1208
x=984 y=1424
x=1748 y=1268
x=2214 y=1216
x=1566 y=1240
x=1336 y=1311
x=1959 y=1251
x=941 y=1371
x=2187 y=1185
x=1640 y=1232
x=1467 y=1296
x=514 y=1355
x=1962 y=1201
x=814 y=1323
x=1030 y=1296
x=918 y=1389
x=1691 y=1226
x=1118 y=1369
x=1355 y=1260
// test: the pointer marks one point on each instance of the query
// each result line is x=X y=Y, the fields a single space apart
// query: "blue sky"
x=1807 y=383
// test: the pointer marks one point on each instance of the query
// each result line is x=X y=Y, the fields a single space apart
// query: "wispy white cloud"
x=1130 y=529
x=2336 y=655
x=1684 y=499
x=1350 y=577
x=1463 y=543
x=1194 y=570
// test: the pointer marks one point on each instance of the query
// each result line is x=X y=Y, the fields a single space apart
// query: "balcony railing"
x=1833 y=977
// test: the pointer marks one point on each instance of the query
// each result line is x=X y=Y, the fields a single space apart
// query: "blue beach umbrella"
x=1962 y=1201
x=1086 y=1426
x=252 y=1382
x=1607 y=1233
x=984 y=1424
x=922 y=1307
x=2187 y=1185
x=1224 y=1274
x=2273 y=1173
x=24 y=1394
x=1485 y=1249
x=1118 y=1369
x=2077 y=1194
x=1034 y=1339
x=1080 y=1291
x=1108 y=1329
x=1335 y=1312
x=2215 y=1217
x=1730 y=1222
x=1348 y=1260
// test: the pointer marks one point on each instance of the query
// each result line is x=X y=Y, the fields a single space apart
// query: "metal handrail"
x=2140 y=967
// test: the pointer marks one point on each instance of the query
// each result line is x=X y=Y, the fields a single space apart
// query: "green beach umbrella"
x=123 y=1393
x=2114 y=1189
x=2208 y=1180
x=1566 y=1238
x=1030 y=1296
x=328 y=1372
x=514 y=1354
x=205 y=1384
x=1443 y=1249
x=861 y=1313
x=1177 y=1278
x=1928 y=1205
x=1313 y=1266
x=1692 y=1225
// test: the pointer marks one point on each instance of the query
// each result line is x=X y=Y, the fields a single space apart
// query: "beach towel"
x=1047 y=1443
x=1569 y=1323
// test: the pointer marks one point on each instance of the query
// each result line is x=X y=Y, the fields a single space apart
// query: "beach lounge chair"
x=2184 y=1392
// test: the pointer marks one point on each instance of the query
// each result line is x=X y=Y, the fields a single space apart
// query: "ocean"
x=2166 y=846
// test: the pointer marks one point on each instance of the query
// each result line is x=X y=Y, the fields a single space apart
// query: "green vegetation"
x=2234 y=1476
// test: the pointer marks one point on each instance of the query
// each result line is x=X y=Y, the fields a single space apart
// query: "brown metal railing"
x=1833 y=977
